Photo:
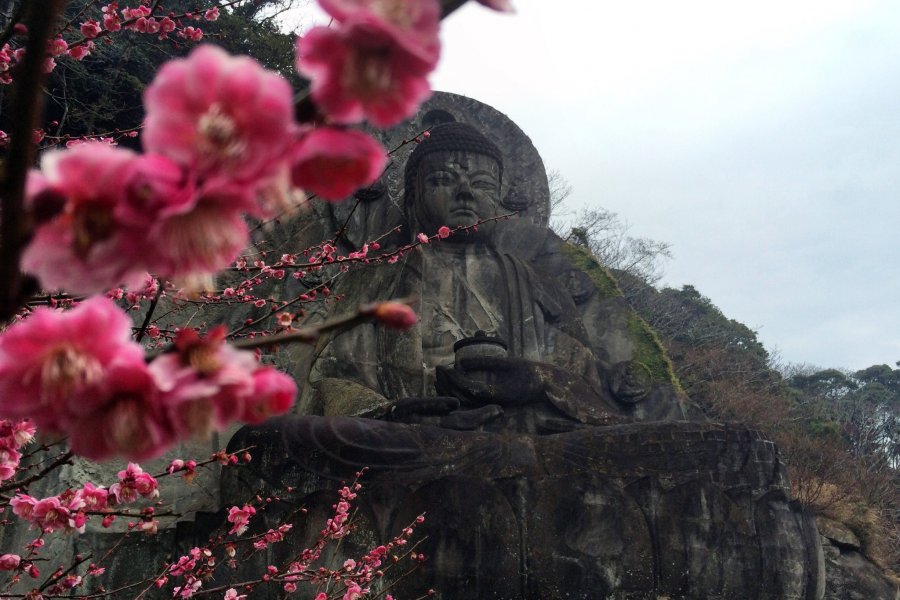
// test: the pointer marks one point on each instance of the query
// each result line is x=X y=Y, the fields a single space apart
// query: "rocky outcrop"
x=849 y=575
x=677 y=510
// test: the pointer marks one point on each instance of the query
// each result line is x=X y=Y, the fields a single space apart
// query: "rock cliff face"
x=849 y=575
x=676 y=510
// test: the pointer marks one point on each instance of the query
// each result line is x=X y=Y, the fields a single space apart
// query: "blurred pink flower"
x=129 y=422
x=9 y=460
x=53 y=363
x=79 y=245
x=8 y=562
x=219 y=115
x=273 y=394
x=374 y=64
x=203 y=240
x=204 y=382
x=334 y=163
x=395 y=315
x=155 y=188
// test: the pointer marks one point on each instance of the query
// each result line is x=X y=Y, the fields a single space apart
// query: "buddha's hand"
x=441 y=411
x=487 y=380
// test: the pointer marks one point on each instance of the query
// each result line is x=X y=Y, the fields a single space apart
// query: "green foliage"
x=103 y=93
x=706 y=324
x=649 y=352
x=581 y=258
x=864 y=406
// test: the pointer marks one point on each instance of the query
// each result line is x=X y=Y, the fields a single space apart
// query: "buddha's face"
x=457 y=189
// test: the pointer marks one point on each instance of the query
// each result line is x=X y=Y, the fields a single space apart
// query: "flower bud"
x=395 y=315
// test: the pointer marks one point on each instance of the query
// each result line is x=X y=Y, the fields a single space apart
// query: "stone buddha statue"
x=529 y=416
x=547 y=380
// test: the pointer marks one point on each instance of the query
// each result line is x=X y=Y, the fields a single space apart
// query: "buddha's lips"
x=463 y=212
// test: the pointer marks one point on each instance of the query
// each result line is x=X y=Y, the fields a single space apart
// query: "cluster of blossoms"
x=220 y=142
x=13 y=436
x=139 y=19
x=14 y=562
x=353 y=577
x=71 y=510
x=10 y=56
x=79 y=372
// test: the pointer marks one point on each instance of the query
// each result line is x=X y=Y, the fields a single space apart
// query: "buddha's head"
x=453 y=179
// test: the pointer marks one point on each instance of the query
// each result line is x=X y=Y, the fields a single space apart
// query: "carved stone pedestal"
x=652 y=510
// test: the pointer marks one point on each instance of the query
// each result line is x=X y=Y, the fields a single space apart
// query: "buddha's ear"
x=514 y=199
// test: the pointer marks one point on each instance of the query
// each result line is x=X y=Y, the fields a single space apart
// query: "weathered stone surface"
x=851 y=576
x=685 y=510
x=838 y=533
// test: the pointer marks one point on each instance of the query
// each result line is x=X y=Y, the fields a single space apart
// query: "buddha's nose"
x=464 y=190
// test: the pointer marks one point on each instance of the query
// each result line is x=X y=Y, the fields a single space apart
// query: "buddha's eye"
x=441 y=178
x=485 y=185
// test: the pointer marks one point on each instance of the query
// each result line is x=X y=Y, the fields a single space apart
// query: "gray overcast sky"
x=761 y=139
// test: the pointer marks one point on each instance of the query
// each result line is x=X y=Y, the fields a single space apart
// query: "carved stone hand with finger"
x=442 y=411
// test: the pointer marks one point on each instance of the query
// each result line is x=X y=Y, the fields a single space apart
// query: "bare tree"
x=606 y=235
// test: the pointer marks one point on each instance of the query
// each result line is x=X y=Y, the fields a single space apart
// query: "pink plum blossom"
x=94 y=497
x=53 y=363
x=240 y=518
x=130 y=422
x=81 y=50
x=195 y=34
x=205 y=382
x=57 y=46
x=134 y=482
x=50 y=514
x=82 y=248
x=334 y=163
x=166 y=25
x=9 y=562
x=273 y=394
x=219 y=115
x=203 y=240
x=17 y=433
x=374 y=64
x=443 y=232
x=111 y=20
x=9 y=460
x=354 y=591
x=90 y=28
